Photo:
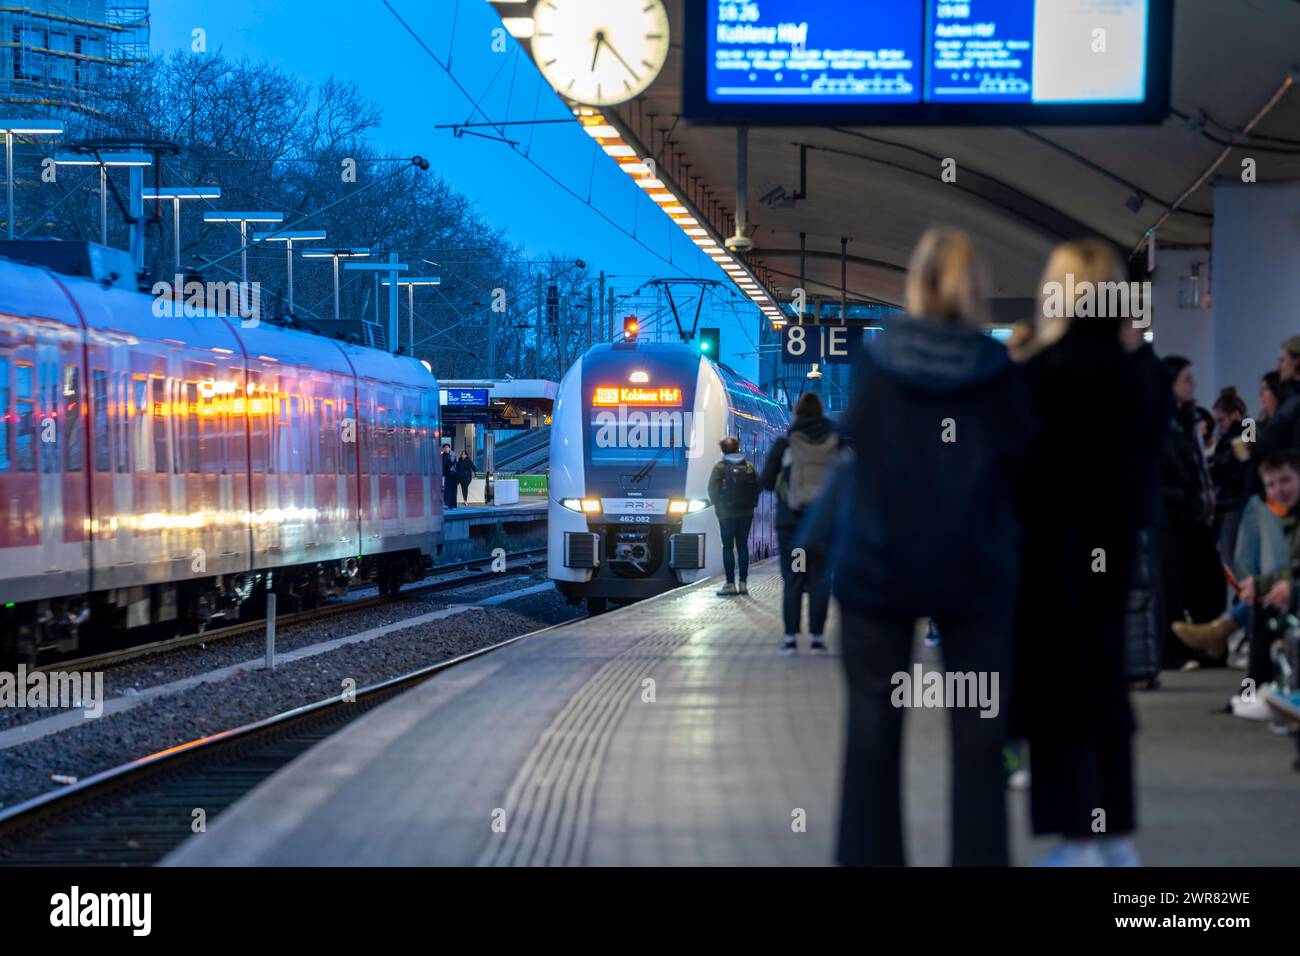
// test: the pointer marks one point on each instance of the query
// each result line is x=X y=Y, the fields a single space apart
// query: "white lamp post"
x=410 y=283
x=176 y=194
x=104 y=161
x=21 y=127
x=336 y=255
x=289 y=238
x=243 y=218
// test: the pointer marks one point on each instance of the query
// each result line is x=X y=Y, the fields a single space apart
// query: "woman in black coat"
x=927 y=528
x=1081 y=515
x=464 y=474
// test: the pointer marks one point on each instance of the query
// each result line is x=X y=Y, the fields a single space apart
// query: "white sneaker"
x=1251 y=710
x=726 y=590
x=1075 y=853
x=742 y=588
x=788 y=646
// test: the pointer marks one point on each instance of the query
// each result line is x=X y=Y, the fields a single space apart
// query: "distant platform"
x=469 y=531
x=563 y=738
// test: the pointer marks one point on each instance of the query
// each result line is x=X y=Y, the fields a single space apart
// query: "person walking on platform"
x=796 y=469
x=464 y=474
x=1081 y=536
x=448 y=479
x=733 y=490
x=927 y=528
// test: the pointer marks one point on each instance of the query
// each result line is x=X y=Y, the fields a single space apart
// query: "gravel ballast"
x=26 y=770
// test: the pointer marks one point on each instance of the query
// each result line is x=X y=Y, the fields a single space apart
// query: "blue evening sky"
x=362 y=42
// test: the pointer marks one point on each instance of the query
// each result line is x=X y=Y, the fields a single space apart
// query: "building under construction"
x=55 y=54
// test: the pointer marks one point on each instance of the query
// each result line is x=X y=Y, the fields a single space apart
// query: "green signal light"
x=704 y=346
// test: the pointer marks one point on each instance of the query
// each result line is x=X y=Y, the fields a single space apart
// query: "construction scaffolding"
x=55 y=54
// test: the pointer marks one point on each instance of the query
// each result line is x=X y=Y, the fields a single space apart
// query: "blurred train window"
x=141 y=418
x=5 y=417
x=99 y=395
x=122 y=423
x=349 y=449
x=193 y=433
x=49 y=407
x=158 y=387
x=72 y=417
x=328 y=430
x=25 y=409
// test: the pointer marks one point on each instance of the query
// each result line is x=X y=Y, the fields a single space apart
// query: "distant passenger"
x=733 y=490
x=796 y=469
x=464 y=474
x=1190 y=568
x=448 y=478
x=927 y=528
x=1082 y=518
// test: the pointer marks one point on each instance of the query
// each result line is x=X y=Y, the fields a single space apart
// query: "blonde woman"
x=1083 y=512
x=927 y=529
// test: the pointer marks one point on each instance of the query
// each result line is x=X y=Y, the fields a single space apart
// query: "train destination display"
x=928 y=61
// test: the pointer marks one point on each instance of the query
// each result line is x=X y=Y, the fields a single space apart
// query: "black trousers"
x=448 y=492
x=814 y=580
x=871 y=817
x=464 y=489
x=1082 y=788
x=1192 y=578
x=735 y=545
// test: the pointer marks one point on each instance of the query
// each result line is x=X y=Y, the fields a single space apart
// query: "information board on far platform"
x=925 y=62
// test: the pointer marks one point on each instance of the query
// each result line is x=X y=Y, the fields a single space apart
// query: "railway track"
x=135 y=814
x=514 y=565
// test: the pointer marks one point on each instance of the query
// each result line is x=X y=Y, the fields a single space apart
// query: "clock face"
x=600 y=52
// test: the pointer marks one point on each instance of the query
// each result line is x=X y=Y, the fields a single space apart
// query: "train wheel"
x=596 y=605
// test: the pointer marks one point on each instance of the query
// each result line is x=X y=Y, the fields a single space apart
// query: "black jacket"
x=1228 y=473
x=1279 y=433
x=815 y=429
x=448 y=467
x=1185 y=484
x=1156 y=388
x=1082 y=512
x=464 y=469
x=927 y=525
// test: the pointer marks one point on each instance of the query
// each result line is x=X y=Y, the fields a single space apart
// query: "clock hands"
x=600 y=40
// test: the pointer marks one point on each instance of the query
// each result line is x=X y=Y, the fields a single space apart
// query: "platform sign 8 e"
x=823 y=344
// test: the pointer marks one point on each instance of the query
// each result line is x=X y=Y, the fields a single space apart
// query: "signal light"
x=629 y=328
x=710 y=343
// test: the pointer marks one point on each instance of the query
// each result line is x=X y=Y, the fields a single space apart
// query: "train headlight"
x=698 y=504
x=582 y=505
x=680 y=506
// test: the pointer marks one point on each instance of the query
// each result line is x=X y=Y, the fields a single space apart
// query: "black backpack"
x=739 y=485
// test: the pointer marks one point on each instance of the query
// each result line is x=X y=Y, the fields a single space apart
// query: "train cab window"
x=72 y=418
x=24 y=419
x=99 y=395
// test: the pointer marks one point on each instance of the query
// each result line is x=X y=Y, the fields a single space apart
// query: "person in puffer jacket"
x=796 y=469
x=939 y=423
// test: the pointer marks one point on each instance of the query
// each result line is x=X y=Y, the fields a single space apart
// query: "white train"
x=634 y=437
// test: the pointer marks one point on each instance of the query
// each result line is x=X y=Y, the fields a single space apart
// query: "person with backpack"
x=733 y=490
x=796 y=469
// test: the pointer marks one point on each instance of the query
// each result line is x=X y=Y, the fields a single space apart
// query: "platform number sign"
x=823 y=344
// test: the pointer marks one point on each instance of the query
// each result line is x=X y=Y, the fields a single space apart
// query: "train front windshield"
x=640 y=426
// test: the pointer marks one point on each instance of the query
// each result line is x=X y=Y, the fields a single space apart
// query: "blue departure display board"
x=810 y=62
x=464 y=397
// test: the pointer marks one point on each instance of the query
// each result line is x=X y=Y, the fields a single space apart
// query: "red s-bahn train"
x=170 y=470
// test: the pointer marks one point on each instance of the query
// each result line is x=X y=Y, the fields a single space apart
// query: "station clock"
x=600 y=52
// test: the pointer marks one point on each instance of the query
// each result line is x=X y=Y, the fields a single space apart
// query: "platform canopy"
x=1018 y=190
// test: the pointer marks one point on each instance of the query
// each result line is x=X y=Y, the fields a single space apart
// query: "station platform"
x=468 y=531
x=670 y=732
